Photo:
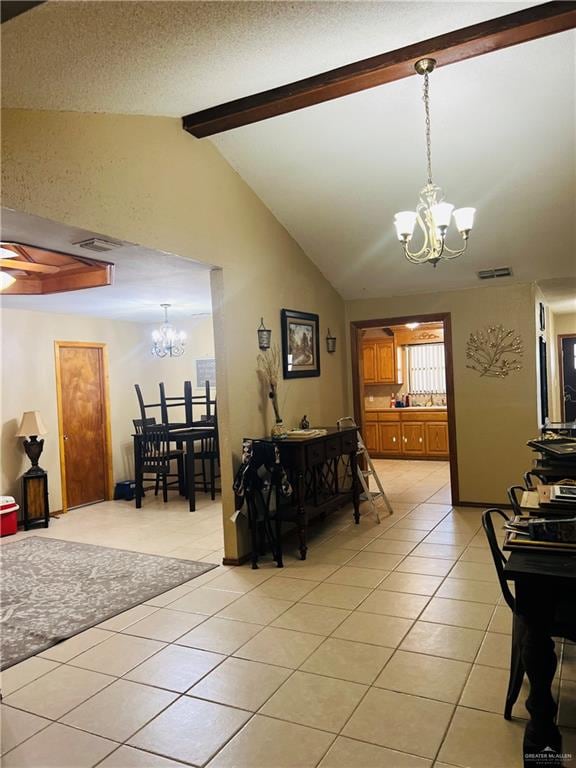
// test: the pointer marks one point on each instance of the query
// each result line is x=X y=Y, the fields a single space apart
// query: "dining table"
x=543 y=582
x=182 y=435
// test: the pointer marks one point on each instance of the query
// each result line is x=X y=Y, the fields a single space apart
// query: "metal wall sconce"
x=264 y=336
x=330 y=342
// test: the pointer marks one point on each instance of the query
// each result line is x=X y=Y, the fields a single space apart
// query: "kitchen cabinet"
x=389 y=438
x=437 y=439
x=369 y=363
x=386 y=362
x=413 y=438
x=407 y=432
x=370 y=436
x=379 y=361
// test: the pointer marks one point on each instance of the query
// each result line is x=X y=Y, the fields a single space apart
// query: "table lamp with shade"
x=30 y=427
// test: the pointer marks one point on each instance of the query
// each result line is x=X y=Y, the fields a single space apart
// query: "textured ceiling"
x=171 y=58
x=502 y=124
x=143 y=278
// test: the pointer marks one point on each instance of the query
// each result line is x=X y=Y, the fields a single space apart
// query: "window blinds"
x=426 y=369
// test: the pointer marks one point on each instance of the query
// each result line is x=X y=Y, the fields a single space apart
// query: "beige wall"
x=28 y=382
x=565 y=323
x=145 y=180
x=494 y=417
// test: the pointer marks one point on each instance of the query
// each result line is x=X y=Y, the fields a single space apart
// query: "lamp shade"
x=405 y=221
x=31 y=424
x=464 y=218
x=441 y=213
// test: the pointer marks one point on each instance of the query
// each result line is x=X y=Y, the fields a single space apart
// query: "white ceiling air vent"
x=488 y=274
x=98 y=244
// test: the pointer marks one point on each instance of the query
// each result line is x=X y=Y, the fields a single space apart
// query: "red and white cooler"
x=8 y=516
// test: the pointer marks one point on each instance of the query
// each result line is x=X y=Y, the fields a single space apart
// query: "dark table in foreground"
x=541 y=580
x=181 y=435
x=313 y=467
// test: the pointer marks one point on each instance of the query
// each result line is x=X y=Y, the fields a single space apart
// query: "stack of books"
x=526 y=532
x=305 y=434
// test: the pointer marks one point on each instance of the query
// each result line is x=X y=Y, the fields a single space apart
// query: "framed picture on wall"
x=300 y=344
x=205 y=371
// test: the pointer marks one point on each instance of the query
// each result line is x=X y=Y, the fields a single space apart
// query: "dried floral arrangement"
x=269 y=370
x=494 y=351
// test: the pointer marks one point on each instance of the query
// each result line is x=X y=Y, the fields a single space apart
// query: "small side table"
x=35 y=509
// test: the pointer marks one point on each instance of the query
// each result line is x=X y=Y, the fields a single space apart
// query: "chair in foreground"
x=561 y=625
x=515 y=493
x=533 y=479
x=516 y=665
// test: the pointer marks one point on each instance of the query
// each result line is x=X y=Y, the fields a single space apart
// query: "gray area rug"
x=53 y=589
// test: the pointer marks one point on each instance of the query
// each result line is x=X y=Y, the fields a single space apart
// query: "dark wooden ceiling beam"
x=9 y=9
x=493 y=35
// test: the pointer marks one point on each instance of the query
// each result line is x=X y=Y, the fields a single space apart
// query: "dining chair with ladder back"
x=195 y=406
x=168 y=403
x=561 y=627
x=209 y=456
x=155 y=441
x=145 y=408
x=199 y=410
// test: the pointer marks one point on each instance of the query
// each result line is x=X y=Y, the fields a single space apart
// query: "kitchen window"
x=426 y=369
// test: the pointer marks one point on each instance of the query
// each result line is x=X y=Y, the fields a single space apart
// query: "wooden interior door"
x=83 y=414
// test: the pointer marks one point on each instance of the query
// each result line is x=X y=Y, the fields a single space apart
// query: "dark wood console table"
x=313 y=466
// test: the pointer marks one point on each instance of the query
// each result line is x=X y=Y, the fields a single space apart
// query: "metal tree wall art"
x=494 y=351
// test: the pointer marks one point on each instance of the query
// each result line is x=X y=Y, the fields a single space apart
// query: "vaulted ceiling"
x=503 y=124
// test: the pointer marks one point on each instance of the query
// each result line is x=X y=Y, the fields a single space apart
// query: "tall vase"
x=278 y=430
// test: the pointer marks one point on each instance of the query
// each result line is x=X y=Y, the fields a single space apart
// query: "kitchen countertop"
x=410 y=408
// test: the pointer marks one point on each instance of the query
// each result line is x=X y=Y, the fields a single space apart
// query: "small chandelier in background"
x=432 y=213
x=167 y=341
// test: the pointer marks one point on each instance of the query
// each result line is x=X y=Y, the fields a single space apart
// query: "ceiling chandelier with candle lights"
x=166 y=340
x=432 y=213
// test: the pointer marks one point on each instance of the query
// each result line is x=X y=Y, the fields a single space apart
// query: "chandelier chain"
x=433 y=214
x=427 y=111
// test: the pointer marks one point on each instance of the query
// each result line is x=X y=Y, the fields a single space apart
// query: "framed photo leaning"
x=300 y=344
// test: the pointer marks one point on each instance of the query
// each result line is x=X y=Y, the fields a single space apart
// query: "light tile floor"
x=388 y=647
